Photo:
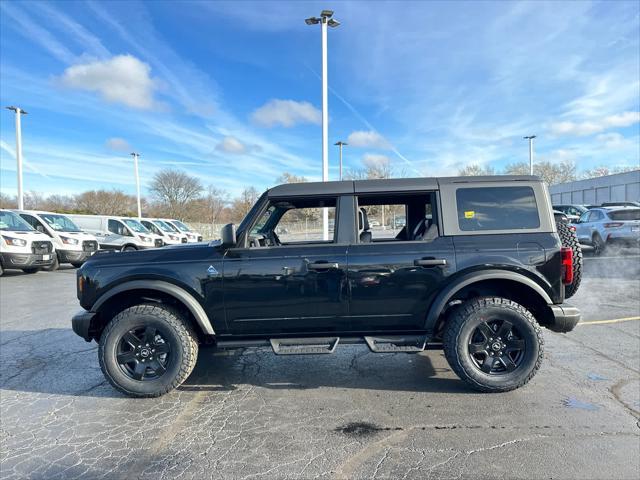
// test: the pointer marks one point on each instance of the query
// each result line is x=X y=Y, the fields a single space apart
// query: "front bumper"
x=81 y=324
x=25 y=260
x=73 y=256
x=564 y=319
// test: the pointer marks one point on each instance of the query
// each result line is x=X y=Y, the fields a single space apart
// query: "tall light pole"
x=530 y=138
x=135 y=163
x=19 y=113
x=341 y=144
x=325 y=21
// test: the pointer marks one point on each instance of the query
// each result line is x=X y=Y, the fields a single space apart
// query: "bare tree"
x=287 y=177
x=243 y=203
x=33 y=200
x=550 y=172
x=604 y=170
x=475 y=170
x=105 y=202
x=215 y=201
x=59 y=203
x=8 y=202
x=175 y=189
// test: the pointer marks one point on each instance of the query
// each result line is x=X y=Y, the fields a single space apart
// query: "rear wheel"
x=598 y=244
x=569 y=239
x=147 y=350
x=494 y=344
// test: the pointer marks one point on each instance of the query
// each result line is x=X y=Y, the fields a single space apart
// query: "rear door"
x=397 y=268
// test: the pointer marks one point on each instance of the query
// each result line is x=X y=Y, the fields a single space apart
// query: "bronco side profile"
x=476 y=267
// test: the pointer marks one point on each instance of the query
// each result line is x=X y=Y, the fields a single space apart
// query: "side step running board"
x=304 y=346
x=393 y=343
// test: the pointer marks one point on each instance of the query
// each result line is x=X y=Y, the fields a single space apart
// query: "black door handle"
x=430 y=262
x=322 y=266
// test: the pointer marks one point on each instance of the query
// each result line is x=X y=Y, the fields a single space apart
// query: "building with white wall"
x=593 y=191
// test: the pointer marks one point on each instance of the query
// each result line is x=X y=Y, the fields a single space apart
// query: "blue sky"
x=230 y=91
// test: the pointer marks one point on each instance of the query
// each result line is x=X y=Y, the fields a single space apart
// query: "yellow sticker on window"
x=469 y=214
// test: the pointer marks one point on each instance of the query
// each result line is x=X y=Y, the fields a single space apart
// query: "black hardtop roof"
x=391 y=185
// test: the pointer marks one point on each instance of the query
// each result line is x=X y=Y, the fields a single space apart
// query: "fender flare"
x=175 y=291
x=441 y=300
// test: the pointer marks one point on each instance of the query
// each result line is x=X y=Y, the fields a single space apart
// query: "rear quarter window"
x=625 y=215
x=497 y=208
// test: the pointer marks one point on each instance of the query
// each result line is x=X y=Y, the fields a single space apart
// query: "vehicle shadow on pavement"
x=350 y=367
x=55 y=361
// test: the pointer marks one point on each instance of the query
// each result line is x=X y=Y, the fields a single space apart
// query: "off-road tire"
x=54 y=266
x=462 y=324
x=181 y=338
x=30 y=270
x=569 y=238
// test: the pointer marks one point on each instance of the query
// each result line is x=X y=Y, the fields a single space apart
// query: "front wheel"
x=494 y=344
x=30 y=270
x=147 y=350
x=77 y=264
x=54 y=266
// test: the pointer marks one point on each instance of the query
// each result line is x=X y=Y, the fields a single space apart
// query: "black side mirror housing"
x=228 y=235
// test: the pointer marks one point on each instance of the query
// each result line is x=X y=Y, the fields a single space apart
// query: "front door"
x=287 y=279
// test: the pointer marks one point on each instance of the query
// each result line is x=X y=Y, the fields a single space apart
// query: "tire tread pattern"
x=453 y=330
x=183 y=330
x=569 y=239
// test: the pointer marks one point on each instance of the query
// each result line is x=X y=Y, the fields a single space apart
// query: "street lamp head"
x=529 y=137
x=326 y=13
x=333 y=23
x=134 y=154
x=339 y=143
x=16 y=109
x=312 y=21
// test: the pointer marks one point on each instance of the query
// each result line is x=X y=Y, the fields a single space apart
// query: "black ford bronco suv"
x=472 y=265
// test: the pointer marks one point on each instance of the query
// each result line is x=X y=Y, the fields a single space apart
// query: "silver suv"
x=602 y=227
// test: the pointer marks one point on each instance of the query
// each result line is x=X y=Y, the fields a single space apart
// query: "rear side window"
x=497 y=208
x=625 y=215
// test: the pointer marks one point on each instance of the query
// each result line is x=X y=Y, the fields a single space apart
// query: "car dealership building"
x=593 y=191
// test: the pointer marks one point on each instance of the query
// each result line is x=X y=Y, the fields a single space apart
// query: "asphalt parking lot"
x=353 y=414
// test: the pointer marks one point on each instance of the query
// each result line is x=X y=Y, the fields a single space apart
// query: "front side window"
x=118 y=228
x=292 y=222
x=497 y=208
x=181 y=226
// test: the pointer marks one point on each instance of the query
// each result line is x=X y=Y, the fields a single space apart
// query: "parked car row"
x=607 y=225
x=35 y=240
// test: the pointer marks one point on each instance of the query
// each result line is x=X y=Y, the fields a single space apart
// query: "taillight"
x=572 y=228
x=613 y=225
x=566 y=254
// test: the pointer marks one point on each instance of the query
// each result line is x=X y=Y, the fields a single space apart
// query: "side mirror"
x=40 y=228
x=228 y=235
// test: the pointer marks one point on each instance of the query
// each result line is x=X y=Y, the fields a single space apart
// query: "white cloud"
x=231 y=145
x=373 y=160
x=286 y=113
x=581 y=129
x=121 y=79
x=118 y=144
x=368 y=139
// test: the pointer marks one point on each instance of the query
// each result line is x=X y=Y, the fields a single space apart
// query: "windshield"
x=135 y=225
x=60 y=223
x=631 y=214
x=163 y=226
x=172 y=227
x=12 y=222
x=181 y=226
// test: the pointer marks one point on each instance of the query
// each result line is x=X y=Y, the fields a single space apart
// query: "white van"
x=169 y=234
x=72 y=245
x=21 y=246
x=192 y=235
x=117 y=233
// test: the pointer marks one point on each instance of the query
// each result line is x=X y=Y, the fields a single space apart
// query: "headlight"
x=16 y=242
x=69 y=241
x=173 y=237
x=146 y=239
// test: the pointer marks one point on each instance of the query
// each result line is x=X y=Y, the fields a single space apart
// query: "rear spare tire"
x=569 y=239
x=147 y=350
x=494 y=344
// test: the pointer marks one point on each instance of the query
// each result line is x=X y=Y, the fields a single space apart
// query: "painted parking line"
x=615 y=320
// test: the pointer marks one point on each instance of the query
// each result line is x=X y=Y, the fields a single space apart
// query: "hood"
x=170 y=253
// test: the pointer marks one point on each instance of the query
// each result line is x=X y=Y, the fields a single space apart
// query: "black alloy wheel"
x=496 y=347
x=143 y=353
